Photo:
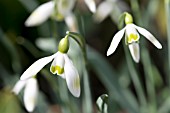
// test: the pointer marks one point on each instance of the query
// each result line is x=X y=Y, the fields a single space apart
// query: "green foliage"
x=124 y=86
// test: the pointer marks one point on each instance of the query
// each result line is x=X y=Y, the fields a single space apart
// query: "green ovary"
x=133 y=38
x=58 y=69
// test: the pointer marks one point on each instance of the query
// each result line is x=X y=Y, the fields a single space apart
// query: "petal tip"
x=136 y=60
x=108 y=54
x=28 y=23
x=159 y=46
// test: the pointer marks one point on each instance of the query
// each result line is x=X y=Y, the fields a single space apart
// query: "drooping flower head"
x=30 y=93
x=64 y=67
x=59 y=10
x=132 y=38
x=61 y=66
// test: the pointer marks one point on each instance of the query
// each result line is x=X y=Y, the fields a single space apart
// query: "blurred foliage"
x=131 y=88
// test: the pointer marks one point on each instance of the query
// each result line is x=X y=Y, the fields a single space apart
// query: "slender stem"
x=149 y=79
x=135 y=78
x=146 y=60
x=87 y=95
x=136 y=11
x=167 y=9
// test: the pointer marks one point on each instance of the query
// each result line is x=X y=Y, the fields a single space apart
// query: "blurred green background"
x=132 y=88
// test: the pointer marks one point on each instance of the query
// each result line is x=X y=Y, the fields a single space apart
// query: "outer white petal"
x=103 y=10
x=31 y=94
x=91 y=5
x=135 y=51
x=36 y=67
x=115 y=41
x=18 y=86
x=149 y=36
x=65 y=6
x=41 y=14
x=72 y=77
x=71 y=22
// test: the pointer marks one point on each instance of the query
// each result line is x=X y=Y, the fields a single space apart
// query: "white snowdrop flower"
x=59 y=10
x=65 y=6
x=91 y=5
x=109 y=8
x=132 y=38
x=61 y=65
x=30 y=93
x=104 y=9
x=41 y=14
x=64 y=67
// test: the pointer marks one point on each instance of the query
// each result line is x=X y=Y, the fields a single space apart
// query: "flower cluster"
x=61 y=66
x=132 y=38
x=59 y=10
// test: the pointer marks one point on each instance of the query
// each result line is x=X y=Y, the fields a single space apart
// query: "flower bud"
x=128 y=18
x=63 y=45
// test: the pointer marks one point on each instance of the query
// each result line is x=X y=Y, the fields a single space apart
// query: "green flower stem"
x=135 y=78
x=167 y=9
x=146 y=60
x=136 y=11
x=81 y=41
x=87 y=103
x=149 y=80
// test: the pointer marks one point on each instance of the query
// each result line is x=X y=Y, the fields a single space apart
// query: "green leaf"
x=108 y=77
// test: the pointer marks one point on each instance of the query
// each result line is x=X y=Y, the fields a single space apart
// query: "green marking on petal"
x=60 y=70
x=77 y=83
x=53 y=69
x=57 y=69
x=132 y=38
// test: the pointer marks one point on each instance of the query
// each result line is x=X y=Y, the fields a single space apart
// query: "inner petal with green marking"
x=57 y=69
x=132 y=38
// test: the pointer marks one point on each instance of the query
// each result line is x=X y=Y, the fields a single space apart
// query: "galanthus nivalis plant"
x=30 y=93
x=132 y=38
x=59 y=10
x=61 y=66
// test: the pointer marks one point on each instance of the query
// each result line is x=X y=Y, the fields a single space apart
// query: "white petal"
x=71 y=22
x=115 y=41
x=18 y=86
x=149 y=36
x=72 y=77
x=41 y=14
x=135 y=51
x=36 y=67
x=31 y=94
x=65 y=6
x=91 y=5
x=103 y=10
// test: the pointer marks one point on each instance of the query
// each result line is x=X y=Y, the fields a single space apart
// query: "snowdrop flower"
x=112 y=8
x=61 y=66
x=132 y=38
x=30 y=93
x=59 y=11
x=41 y=14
